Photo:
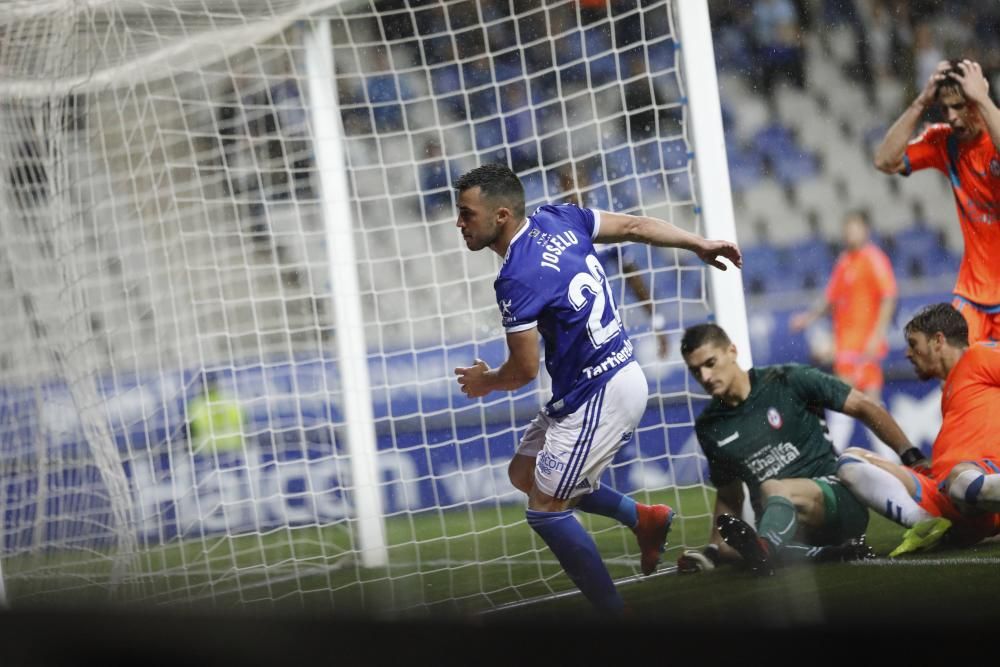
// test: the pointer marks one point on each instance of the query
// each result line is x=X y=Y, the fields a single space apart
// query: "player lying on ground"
x=960 y=487
x=764 y=428
x=552 y=284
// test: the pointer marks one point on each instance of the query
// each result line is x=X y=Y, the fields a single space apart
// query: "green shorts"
x=846 y=516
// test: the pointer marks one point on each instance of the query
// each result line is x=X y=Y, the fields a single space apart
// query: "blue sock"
x=608 y=502
x=577 y=553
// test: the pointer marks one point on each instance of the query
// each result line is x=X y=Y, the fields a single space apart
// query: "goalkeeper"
x=764 y=427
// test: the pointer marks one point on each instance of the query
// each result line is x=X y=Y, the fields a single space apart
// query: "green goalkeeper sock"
x=778 y=523
x=797 y=552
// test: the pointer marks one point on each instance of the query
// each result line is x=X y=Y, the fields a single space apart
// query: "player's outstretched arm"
x=802 y=320
x=889 y=154
x=618 y=227
x=861 y=406
x=520 y=368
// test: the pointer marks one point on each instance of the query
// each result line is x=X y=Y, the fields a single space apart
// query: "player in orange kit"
x=966 y=150
x=861 y=297
x=960 y=486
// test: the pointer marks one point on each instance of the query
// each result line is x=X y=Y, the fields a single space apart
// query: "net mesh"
x=171 y=420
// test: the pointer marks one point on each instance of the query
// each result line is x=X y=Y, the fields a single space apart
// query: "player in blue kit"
x=551 y=283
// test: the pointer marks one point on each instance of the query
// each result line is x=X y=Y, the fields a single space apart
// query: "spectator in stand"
x=777 y=38
x=215 y=421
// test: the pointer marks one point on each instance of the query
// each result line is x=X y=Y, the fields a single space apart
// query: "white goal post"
x=234 y=295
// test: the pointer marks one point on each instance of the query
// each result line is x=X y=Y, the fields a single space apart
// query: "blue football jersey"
x=551 y=278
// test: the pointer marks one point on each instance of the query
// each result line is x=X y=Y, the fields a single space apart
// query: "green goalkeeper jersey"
x=778 y=432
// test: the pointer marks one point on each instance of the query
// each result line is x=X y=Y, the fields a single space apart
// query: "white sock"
x=974 y=488
x=880 y=490
x=841 y=428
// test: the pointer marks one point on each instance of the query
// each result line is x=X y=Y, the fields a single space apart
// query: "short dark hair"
x=944 y=318
x=703 y=334
x=497 y=183
x=950 y=79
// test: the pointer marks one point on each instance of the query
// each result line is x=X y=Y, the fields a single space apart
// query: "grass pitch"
x=483 y=563
x=943 y=587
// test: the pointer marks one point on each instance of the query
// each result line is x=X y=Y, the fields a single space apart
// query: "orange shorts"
x=862 y=375
x=966 y=529
x=983 y=321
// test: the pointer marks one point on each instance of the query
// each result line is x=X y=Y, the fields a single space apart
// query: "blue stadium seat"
x=483 y=103
x=569 y=48
x=679 y=186
x=603 y=70
x=647 y=157
x=507 y=66
x=452 y=106
x=476 y=73
x=625 y=195
x=733 y=51
x=572 y=76
x=548 y=115
x=435 y=185
x=445 y=79
x=662 y=55
x=598 y=197
x=745 y=168
x=618 y=163
x=534 y=189
x=675 y=154
x=920 y=251
x=524 y=155
x=555 y=148
x=773 y=140
x=652 y=189
x=598 y=40
x=388 y=118
x=382 y=88
x=810 y=263
x=543 y=87
x=794 y=166
x=762 y=268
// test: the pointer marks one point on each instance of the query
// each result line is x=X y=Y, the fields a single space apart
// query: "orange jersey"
x=970 y=411
x=861 y=279
x=974 y=171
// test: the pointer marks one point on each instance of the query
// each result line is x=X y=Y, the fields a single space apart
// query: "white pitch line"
x=887 y=562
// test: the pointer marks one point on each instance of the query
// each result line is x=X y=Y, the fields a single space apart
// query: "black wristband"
x=911 y=456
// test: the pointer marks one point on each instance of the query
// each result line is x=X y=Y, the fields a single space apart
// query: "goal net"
x=234 y=294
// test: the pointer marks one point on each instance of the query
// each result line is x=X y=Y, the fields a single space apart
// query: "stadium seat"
x=489 y=133
x=625 y=195
x=794 y=166
x=662 y=55
x=568 y=48
x=445 y=79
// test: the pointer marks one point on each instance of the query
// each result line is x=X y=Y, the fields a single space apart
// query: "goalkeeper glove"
x=698 y=560
x=914 y=459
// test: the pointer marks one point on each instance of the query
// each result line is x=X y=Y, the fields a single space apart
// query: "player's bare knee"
x=958 y=470
x=857 y=453
x=521 y=472
x=773 y=487
x=960 y=479
x=540 y=501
